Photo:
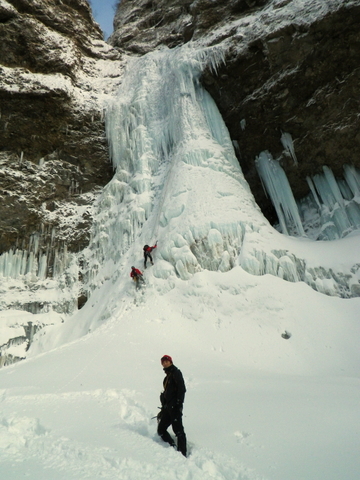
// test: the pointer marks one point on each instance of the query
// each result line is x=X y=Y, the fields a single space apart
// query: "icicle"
x=23 y=263
x=333 y=186
x=313 y=191
x=287 y=269
x=353 y=212
x=7 y=263
x=34 y=243
x=352 y=178
x=17 y=264
x=42 y=267
x=337 y=201
x=287 y=141
x=53 y=235
x=345 y=190
x=277 y=186
x=236 y=146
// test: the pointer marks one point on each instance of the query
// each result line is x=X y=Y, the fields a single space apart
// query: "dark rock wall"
x=303 y=80
x=140 y=28
x=46 y=49
x=24 y=25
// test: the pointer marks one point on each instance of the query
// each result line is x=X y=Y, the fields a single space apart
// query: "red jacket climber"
x=137 y=276
x=135 y=272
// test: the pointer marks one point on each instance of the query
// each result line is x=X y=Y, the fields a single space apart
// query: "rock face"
x=56 y=72
x=290 y=67
x=52 y=143
x=149 y=24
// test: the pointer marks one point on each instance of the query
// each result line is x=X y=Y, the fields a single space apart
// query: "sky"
x=103 y=12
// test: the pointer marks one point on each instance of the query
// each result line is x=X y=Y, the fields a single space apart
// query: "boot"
x=181 y=443
x=167 y=438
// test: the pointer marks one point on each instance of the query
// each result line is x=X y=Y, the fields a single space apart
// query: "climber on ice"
x=137 y=276
x=147 y=253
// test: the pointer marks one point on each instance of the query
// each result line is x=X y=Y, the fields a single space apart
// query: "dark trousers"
x=146 y=256
x=172 y=417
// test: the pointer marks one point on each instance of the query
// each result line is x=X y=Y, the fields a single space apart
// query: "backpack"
x=145 y=248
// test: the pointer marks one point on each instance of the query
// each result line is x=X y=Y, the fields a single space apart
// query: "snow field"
x=257 y=405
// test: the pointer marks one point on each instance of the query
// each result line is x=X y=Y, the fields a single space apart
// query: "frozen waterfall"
x=173 y=156
x=178 y=181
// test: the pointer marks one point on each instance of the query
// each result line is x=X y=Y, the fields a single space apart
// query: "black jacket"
x=174 y=388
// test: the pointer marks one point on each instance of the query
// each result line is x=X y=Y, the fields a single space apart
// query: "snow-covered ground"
x=258 y=405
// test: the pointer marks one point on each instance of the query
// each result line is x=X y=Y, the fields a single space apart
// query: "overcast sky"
x=103 y=12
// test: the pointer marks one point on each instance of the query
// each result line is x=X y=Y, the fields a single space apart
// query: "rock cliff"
x=56 y=74
x=53 y=150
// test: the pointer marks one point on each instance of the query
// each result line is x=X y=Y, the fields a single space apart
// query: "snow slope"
x=257 y=405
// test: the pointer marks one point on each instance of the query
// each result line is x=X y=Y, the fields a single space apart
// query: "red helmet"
x=166 y=357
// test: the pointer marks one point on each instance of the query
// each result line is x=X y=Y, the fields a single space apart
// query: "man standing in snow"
x=172 y=399
x=147 y=253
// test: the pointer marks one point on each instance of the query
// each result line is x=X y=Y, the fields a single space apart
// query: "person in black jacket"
x=147 y=253
x=172 y=399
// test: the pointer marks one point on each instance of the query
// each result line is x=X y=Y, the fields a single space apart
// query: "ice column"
x=338 y=202
x=279 y=190
x=287 y=141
